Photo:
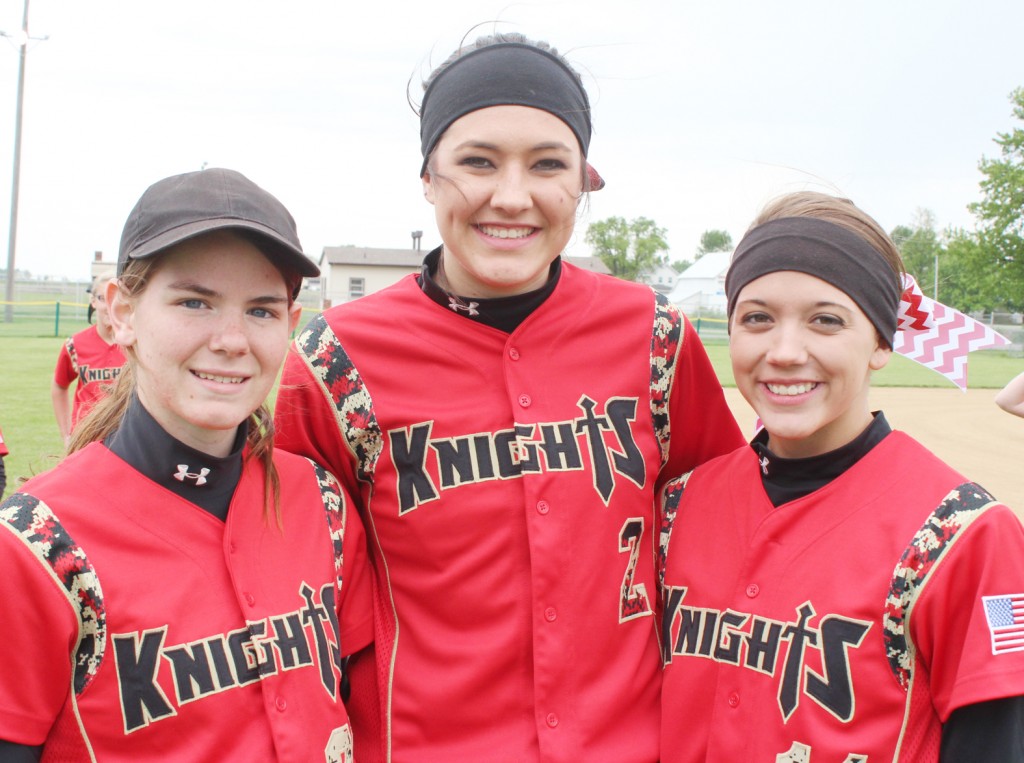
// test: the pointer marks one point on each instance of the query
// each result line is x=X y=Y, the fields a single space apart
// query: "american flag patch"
x=1005 y=615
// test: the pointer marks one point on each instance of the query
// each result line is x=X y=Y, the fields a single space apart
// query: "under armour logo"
x=184 y=474
x=456 y=304
x=764 y=465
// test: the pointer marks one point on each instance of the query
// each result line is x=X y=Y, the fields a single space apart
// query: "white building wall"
x=375 y=278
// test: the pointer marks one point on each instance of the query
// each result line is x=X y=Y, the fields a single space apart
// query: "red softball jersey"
x=142 y=628
x=842 y=626
x=95 y=365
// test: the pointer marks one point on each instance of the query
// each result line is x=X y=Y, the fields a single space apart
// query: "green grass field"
x=26 y=415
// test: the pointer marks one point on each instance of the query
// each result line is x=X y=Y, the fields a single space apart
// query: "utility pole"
x=22 y=40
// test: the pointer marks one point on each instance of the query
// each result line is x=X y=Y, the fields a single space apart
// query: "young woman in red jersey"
x=91 y=360
x=833 y=591
x=505 y=418
x=177 y=589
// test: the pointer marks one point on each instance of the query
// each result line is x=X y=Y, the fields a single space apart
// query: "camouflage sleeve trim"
x=937 y=535
x=671 y=496
x=32 y=522
x=72 y=353
x=666 y=339
x=345 y=391
x=334 y=507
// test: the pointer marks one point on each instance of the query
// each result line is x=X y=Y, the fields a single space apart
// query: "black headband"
x=824 y=250
x=507 y=73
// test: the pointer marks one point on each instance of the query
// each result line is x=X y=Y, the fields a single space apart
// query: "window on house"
x=356 y=287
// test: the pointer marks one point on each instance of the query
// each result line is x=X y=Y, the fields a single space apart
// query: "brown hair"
x=838 y=211
x=106 y=416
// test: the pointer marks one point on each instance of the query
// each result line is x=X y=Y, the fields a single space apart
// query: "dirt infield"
x=967 y=430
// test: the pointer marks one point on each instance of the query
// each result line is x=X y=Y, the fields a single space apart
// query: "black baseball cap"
x=181 y=207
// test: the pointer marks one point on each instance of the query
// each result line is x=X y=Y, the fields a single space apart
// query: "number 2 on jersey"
x=633 y=600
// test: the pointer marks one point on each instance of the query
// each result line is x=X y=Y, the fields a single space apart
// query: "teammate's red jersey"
x=507 y=484
x=139 y=627
x=842 y=626
x=95 y=365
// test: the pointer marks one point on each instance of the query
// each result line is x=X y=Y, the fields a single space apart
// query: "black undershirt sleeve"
x=987 y=731
x=19 y=753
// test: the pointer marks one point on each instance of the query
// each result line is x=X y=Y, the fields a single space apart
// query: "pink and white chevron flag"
x=939 y=337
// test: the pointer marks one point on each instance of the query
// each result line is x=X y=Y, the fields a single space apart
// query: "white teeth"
x=506 y=232
x=790 y=389
x=221 y=379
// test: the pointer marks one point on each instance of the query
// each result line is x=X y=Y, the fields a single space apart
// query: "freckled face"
x=209 y=333
x=802 y=355
x=505 y=182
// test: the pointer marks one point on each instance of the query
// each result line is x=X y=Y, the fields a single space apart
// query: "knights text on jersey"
x=147 y=629
x=93 y=363
x=507 y=484
x=843 y=626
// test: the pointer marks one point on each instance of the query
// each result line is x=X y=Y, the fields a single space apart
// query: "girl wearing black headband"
x=833 y=591
x=506 y=418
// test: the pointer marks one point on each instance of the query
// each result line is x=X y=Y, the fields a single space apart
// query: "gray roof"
x=594 y=264
x=412 y=258
x=361 y=255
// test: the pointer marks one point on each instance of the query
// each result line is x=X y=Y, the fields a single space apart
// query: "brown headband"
x=824 y=250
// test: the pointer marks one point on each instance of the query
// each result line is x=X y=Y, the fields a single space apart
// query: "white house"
x=350 y=272
x=701 y=287
x=663 y=279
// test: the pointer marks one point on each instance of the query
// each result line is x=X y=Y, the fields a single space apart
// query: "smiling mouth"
x=220 y=379
x=788 y=390
x=505 y=232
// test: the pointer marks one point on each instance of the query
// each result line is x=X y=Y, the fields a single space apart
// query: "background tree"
x=1000 y=214
x=714 y=241
x=919 y=244
x=966 y=281
x=630 y=249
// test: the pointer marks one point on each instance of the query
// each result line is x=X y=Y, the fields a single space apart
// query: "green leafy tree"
x=630 y=249
x=1000 y=214
x=966 y=282
x=919 y=245
x=714 y=241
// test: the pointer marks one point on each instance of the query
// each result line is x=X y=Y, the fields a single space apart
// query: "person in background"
x=504 y=419
x=177 y=589
x=1011 y=397
x=833 y=591
x=90 y=359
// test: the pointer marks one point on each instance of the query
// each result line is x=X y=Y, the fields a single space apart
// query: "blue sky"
x=703 y=111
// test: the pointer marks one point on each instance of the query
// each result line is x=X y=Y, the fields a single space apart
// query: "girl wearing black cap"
x=833 y=591
x=505 y=418
x=176 y=589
